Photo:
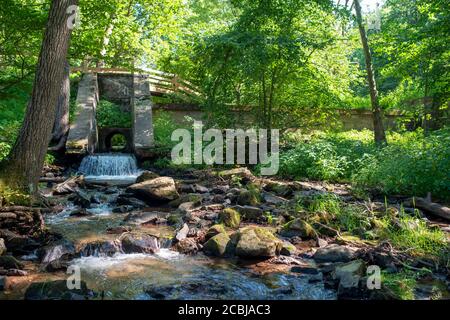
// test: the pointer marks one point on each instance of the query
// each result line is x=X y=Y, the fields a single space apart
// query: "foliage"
x=110 y=115
x=401 y=284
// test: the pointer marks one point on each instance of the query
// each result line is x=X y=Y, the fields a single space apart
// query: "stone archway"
x=105 y=136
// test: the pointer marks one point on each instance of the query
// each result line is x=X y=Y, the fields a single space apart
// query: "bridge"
x=132 y=91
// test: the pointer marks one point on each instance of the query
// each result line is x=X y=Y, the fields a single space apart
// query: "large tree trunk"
x=25 y=162
x=61 y=125
x=380 y=135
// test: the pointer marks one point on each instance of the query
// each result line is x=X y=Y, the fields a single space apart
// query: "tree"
x=61 y=125
x=25 y=161
x=380 y=135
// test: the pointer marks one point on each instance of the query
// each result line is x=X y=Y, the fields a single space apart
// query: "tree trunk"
x=380 y=135
x=61 y=125
x=26 y=159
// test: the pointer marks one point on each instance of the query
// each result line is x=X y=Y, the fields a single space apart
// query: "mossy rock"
x=256 y=242
x=220 y=245
x=288 y=249
x=146 y=175
x=174 y=220
x=196 y=199
x=298 y=228
x=247 y=197
x=230 y=217
x=214 y=230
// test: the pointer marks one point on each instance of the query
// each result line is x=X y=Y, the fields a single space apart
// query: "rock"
x=68 y=186
x=118 y=230
x=143 y=217
x=334 y=253
x=2 y=247
x=186 y=188
x=279 y=188
x=61 y=249
x=349 y=276
x=82 y=199
x=238 y=172
x=249 y=213
x=9 y=262
x=2 y=283
x=139 y=243
x=273 y=199
x=298 y=228
x=57 y=265
x=123 y=209
x=186 y=207
x=95 y=198
x=200 y=189
x=257 y=242
x=230 y=218
x=159 y=189
x=246 y=197
x=57 y=290
x=214 y=230
x=16 y=243
x=146 y=175
x=80 y=213
x=182 y=233
x=288 y=249
x=194 y=198
x=130 y=201
x=100 y=248
x=218 y=198
x=219 y=245
x=187 y=246
x=174 y=219
x=305 y=269
x=220 y=189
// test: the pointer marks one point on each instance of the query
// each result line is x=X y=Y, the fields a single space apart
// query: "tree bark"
x=378 y=128
x=61 y=125
x=26 y=159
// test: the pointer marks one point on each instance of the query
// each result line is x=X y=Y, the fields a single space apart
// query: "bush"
x=412 y=164
x=110 y=115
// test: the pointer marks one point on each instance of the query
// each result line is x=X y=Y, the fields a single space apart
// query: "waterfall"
x=110 y=168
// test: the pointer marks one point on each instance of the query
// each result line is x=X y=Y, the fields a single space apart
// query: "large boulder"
x=57 y=290
x=2 y=246
x=17 y=243
x=230 y=218
x=139 y=243
x=334 y=253
x=257 y=242
x=247 y=197
x=214 y=230
x=219 y=245
x=187 y=246
x=159 y=189
x=298 y=228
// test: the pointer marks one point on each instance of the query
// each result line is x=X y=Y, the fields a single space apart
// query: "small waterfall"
x=108 y=164
x=110 y=169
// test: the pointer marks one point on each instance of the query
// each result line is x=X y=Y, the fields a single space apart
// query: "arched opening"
x=115 y=140
x=116 y=143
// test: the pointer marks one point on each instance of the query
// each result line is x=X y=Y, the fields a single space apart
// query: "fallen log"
x=54 y=179
x=431 y=207
x=20 y=208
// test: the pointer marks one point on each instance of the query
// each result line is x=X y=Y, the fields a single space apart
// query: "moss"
x=247 y=197
x=219 y=245
x=298 y=227
x=215 y=230
x=230 y=217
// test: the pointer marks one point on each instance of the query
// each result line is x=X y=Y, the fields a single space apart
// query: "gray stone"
x=59 y=250
x=257 y=242
x=139 y=243
x=100 y=248
x=219 y=245
x=182 y=233
x=146 y=175
x=334 y=253
x=249 y=213
x=187 y=246
x=2 y=247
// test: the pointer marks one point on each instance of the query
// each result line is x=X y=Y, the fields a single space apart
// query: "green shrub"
x=110 y=115
x=163 y=126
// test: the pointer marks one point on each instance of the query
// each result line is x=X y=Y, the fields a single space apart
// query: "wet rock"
x=219 y=245
x=2 y=247
x=82 y=199
x=182 y=233
x=139 y=243
x=249 y=213
x=17 y=243
x=349 y=276
x=9 y=262
x=187 y=246
x=123 y=209
x=334 y=253
x=101 y=248
x=118 y=230
x=288 y=249
x=159 y=189
x=146 y=175
x=57 y=290
x=143 y=217
x=80 y=213
x=214 y=230
x=57 y=265
x=256 y=242
x=62 y=249
x=305 y=269
x=298 y=228
x=230 y=218
x=246 y=197
x=130 y=201
x=95 y=198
